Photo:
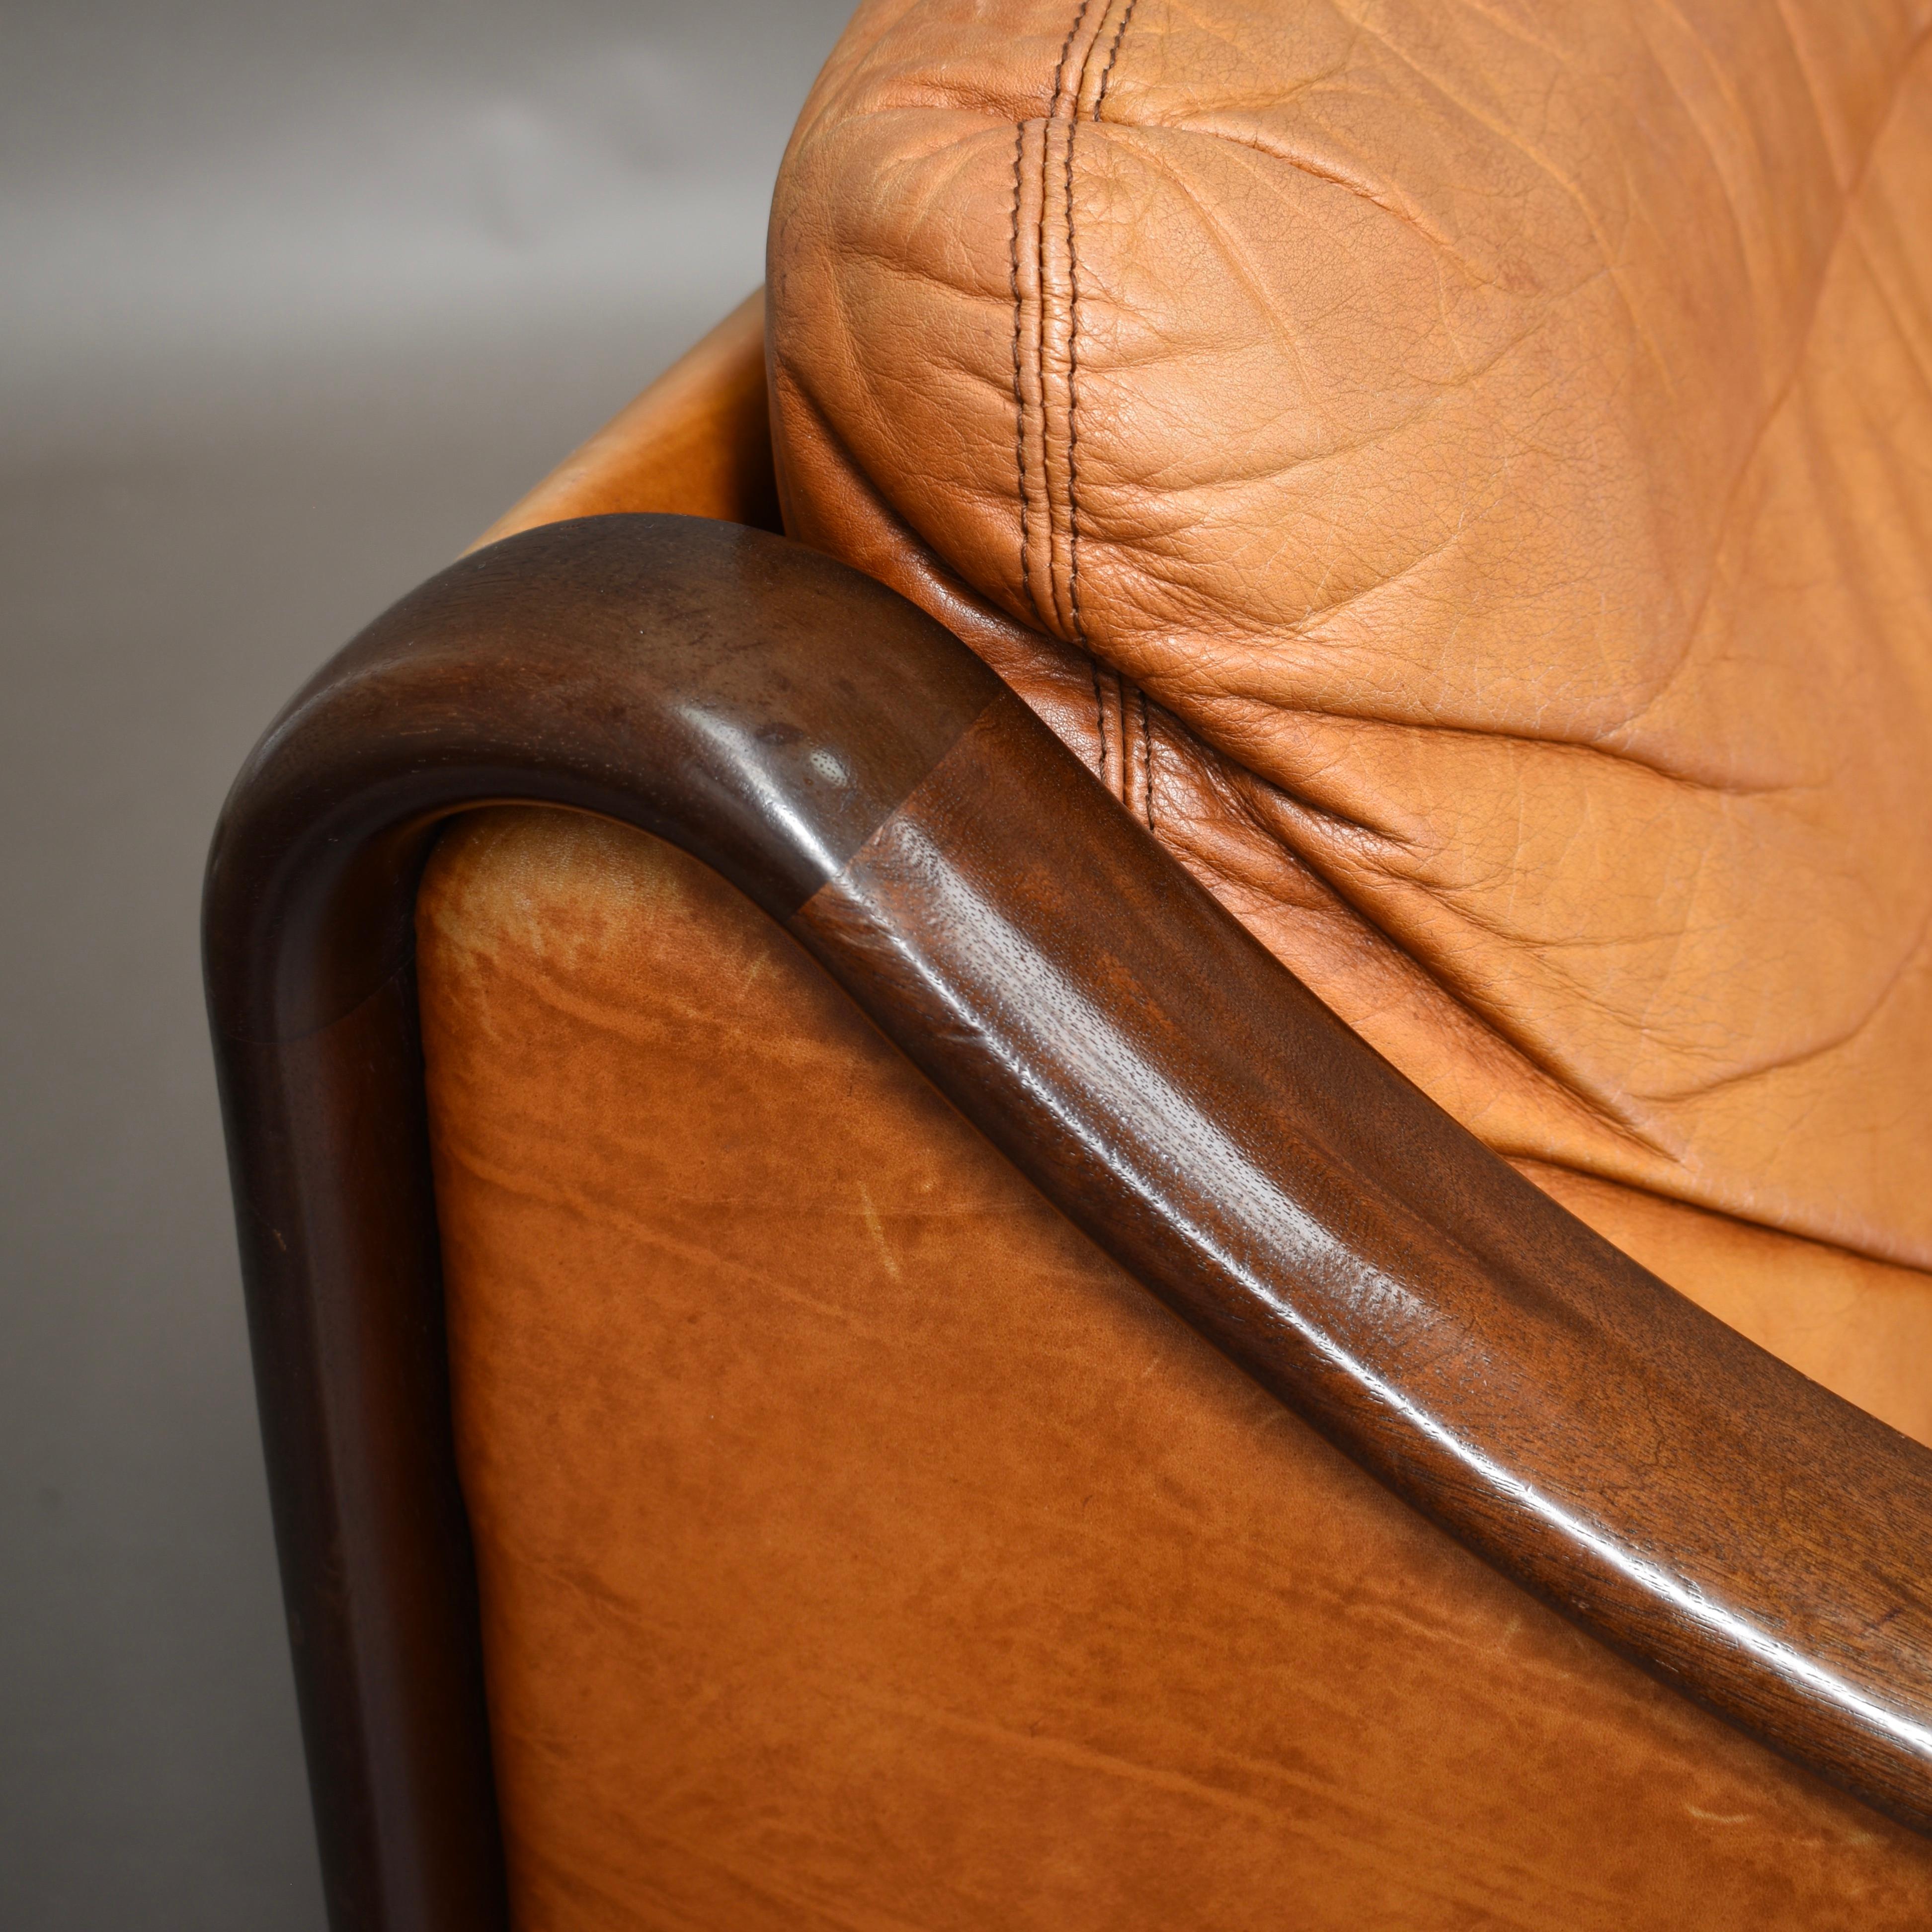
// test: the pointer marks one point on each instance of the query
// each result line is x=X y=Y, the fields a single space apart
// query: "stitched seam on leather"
x=1072 y=403
x=1042 y=533
x=1019 y=401
x=1039 y=366
x=1073 y=395
x=1063 y=105
x=1070 y=616
x=1060 y=72
x=1105 y=728
x=1113 y=55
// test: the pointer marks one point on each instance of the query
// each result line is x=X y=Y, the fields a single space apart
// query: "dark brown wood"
x=858 y=773
x=758 y=704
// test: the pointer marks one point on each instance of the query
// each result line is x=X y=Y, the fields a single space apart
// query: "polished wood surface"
x=853 y=769
x=697 y=442
x=859 y=1545
x=666 y=671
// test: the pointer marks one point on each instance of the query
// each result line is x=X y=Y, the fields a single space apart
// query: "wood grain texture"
x=855 y=770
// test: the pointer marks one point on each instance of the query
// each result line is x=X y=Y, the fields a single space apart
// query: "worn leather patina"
x=1458 y=475
x=859 y=1547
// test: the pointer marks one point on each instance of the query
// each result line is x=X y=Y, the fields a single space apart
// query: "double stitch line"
x=1072 y=403
x=1073 y=513
x=1040 y=285
x=1073 y=311
x=1072 y=327
x=1064 y=107
x=1113 y=55
x=1019 y=400
x=1073 y=378
x=1060 y=72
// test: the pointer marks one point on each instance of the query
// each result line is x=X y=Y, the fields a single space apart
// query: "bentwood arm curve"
x=860 y=775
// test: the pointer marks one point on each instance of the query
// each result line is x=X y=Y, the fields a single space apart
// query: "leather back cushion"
x=1462 y=474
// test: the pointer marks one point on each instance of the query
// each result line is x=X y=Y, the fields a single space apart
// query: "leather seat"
x=1458 y=477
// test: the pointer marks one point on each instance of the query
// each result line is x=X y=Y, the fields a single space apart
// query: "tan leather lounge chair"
x=1426 y=839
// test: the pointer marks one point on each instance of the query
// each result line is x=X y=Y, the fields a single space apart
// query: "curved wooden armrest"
x=857 y=772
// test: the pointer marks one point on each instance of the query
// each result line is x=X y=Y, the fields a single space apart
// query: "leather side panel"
x=859 y=1548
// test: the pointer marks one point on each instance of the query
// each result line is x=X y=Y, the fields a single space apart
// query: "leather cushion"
x=1460 y=474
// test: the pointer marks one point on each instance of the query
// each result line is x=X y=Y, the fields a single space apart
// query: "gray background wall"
x=295 y=295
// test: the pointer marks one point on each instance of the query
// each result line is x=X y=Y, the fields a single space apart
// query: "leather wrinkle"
x=1584 y=1174
x=1819 y=1049
x=1601 y=1105
x=1315 y=170
x=1512 y=1039
x=1821 y=281
x=1518 y=1041
x=1490 y=1016
x=882 y=507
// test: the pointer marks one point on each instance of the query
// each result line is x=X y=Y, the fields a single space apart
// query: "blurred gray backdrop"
x=294 y=296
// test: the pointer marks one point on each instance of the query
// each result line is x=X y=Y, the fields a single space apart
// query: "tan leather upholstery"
x=1459 y=473
x=860 y=1549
